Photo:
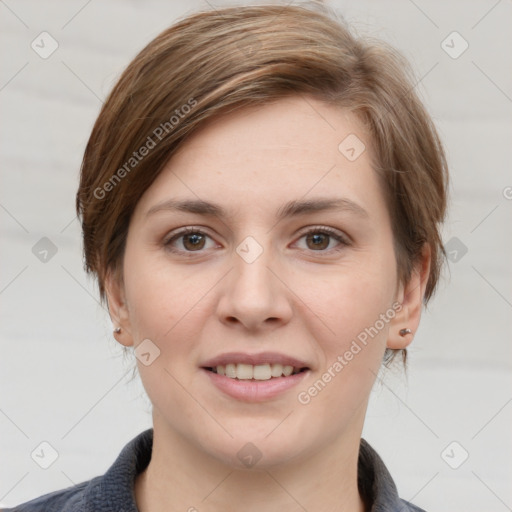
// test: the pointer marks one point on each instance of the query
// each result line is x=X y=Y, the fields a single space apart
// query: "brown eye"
x=318 y=240
x=187 y=241
x=193 y=241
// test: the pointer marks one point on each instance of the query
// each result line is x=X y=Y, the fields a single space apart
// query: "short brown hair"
x=217 y=61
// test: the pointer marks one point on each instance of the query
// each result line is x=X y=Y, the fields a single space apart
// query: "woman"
x=261 y=200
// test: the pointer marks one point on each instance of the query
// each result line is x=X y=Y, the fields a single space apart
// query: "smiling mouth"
x=242 y=371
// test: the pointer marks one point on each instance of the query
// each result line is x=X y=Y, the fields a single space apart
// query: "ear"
x=117 y=307
x=411 y=297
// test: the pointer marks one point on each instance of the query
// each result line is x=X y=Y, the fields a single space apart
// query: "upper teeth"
x=258 y=371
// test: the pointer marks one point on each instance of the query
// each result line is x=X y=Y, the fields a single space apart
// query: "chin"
x=253 y=452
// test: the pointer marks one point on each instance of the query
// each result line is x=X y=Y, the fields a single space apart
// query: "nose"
x=255 y=294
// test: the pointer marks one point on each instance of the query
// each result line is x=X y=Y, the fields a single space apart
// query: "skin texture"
x=301 y=297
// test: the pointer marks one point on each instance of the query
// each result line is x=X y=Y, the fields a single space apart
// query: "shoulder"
x=70 y=499
x=409 y=507
x=376 y=485
x=405 y=506
x=111 y=492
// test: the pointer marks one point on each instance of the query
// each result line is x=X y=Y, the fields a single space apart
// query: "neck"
x=182 y=477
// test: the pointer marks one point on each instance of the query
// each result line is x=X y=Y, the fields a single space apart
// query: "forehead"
x=295 y=126
x=282 y=151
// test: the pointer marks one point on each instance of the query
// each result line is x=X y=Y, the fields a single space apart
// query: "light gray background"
x=62 y=377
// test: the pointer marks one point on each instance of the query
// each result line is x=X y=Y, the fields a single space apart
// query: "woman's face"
x=258 y=278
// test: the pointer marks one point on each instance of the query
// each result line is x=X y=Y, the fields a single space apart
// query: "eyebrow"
x=290 y=209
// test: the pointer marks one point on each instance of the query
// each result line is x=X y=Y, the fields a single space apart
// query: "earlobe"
x=118 y=309
x=406 y=321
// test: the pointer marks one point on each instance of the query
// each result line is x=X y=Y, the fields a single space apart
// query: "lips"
x=253 y=390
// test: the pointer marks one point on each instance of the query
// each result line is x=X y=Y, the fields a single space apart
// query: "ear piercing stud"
x=117 y=330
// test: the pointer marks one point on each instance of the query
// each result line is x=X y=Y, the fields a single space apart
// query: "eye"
x=319 y=239
x=191 y=240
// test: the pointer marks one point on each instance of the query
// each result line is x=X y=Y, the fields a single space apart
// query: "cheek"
x=162 y=303
x=356 y=309
x=160 y=297
x=359 y=313
x=355 y=296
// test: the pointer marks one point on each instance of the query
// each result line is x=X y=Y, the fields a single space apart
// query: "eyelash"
x=324 y=230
